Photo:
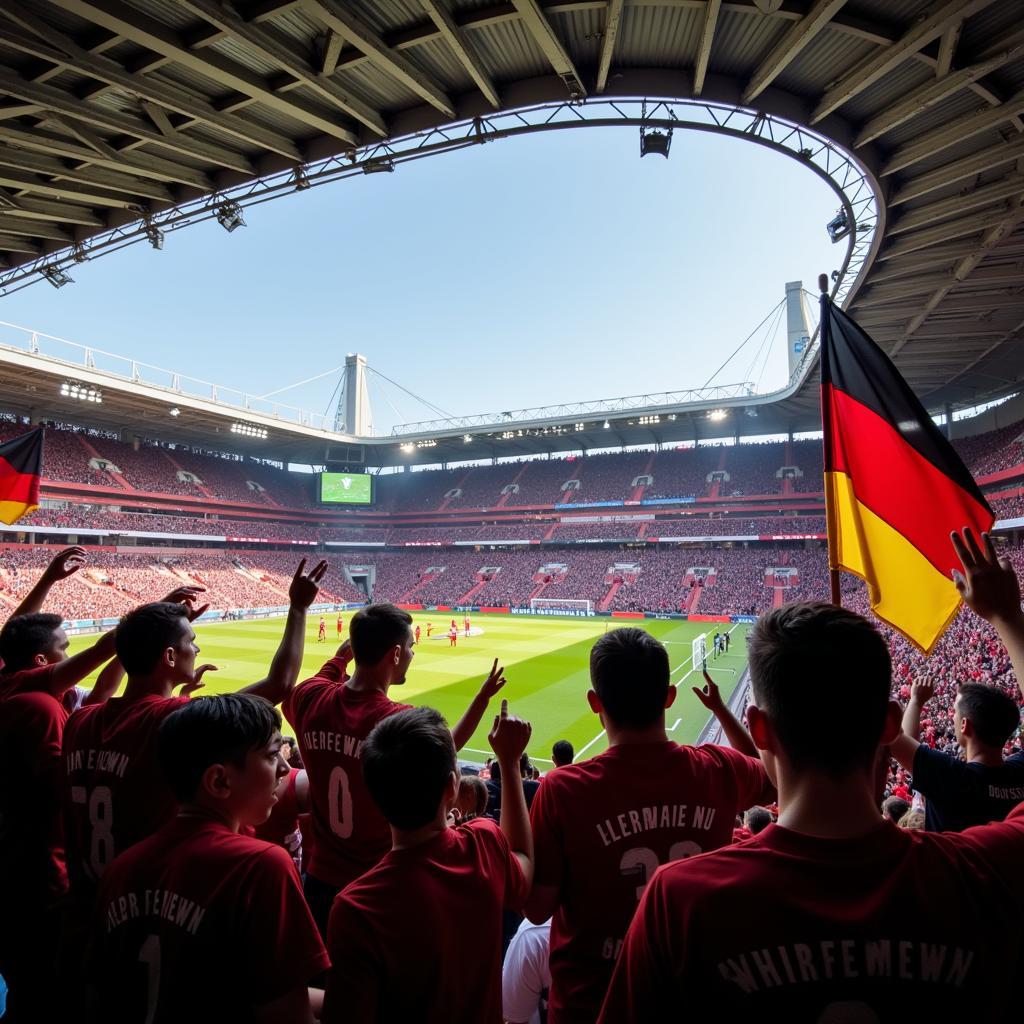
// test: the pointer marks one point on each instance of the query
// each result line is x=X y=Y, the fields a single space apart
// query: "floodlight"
x=57 y=277
x=838 y=227
x=466 y=438
x=406 y=447
x=155 y=235
x=301 y=181
x=654 y=141
x=249 y=430
x=717 y=415
x=81 y=392
x=606 y=424
x=379 y=164
x=229 y=216
x=174 y=412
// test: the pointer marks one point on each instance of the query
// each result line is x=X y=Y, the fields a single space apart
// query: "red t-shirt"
x=196 y=901
x=418 y=937
x=602 y=827
x=331 y=721
x=32 y=867
x=115 y=792
x=27 y=680
x=898 y=924
x=282 y=827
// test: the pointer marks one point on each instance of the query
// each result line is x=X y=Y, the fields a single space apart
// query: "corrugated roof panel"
x=509 y=49
x=984 y=29
x=244 y=56
x=963 y=102
x=831 y=55
x=889 y=89
x=381 y=91
x=581 y=32
x=438 y=60
x=743 y=40
x=170 y=14
x=658 y=37
x=896 y=12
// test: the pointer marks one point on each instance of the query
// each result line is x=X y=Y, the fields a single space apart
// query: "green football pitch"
x=546 y=667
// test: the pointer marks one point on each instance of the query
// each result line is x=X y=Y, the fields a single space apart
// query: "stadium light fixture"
x=301 y=181
x=406 y=448
x=57 y=277
x=155 y=235
x=607 y=425
x=838 y=227
x=174 y=412
x=249 y=430
x=378 y=165
x=466 y=438
x=81 y=392
x=717 y=415
x=647 y=420
x=229 y=216
x=426 y=444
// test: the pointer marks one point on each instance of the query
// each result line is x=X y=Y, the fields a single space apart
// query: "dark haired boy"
x=200 y=900
x=418 y=937
x=603 y=826
x=332 y=714
x=857 y=920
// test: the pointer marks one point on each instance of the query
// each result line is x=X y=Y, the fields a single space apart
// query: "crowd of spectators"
x=994 y=450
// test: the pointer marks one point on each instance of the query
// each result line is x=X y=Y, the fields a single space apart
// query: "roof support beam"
x=463 y=48
x=968 y=199
x=953 y=132
x=338 y=17
x=274 y=47
x=34 y=185
x=947 y=47
x=1009 y=335
x=789 y=46
x=612 y=20
x=331 y=52
x=34 y=228
x=958 y=170
x=16 y=243
x=959 y=228
x=937 y=19
x=966 y=267
x=908 y=266
x=47 y=209
x=146 y=31
x=927 y=95
x=707 y=35
x=537 y=24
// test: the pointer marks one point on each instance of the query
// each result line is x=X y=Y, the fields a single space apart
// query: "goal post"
x=699 y=656
x=560 y=606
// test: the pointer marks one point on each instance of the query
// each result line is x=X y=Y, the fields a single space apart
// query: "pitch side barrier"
x=79 y=626
x=572 y=613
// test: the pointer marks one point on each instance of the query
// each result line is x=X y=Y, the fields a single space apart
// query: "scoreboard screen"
x=346 y=489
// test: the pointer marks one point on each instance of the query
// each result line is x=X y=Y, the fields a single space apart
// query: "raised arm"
x=904 y=747
x=738 y=737
x=508 y=739
x=64 y=564
x=73 y=670
x=990 y=589
x=284 y=669
x=106 y=683
x=466 y=725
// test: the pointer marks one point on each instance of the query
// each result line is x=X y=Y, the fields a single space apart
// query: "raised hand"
x=188 y=596
x=345 y=650
x=987 y=583
x=494 y=681
x=922 y=690
x=197 y=680
x=64 y=564
x=708 y=694
x=509 y=735
x=304 y=587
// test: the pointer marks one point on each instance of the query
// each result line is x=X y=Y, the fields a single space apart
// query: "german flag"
x=894 y=487
x=21 y=465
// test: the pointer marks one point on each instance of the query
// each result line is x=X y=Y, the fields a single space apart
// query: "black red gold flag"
x=21 y=465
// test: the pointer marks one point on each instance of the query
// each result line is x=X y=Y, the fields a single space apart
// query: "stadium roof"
x=121 y=116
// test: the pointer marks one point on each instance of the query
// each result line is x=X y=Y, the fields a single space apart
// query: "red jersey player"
x=321 y=636
x=466 y=624
x=853 y=918
x=435 y=878
x=197 y=893
x=453 y=636
x=602 y=826
x=417 y=634
x=332 y=715
x=115 y=793
x=341 y=626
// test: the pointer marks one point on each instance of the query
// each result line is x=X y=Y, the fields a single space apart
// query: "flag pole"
x=826 y=429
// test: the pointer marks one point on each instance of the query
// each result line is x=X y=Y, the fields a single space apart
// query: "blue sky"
x=558 y=267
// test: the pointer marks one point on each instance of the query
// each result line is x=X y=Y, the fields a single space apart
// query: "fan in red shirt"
x=282 y=827
x=197 y=897
x=399 y=942
x=834 y=914
x=332 y=715
x=115 y=794
x=602 y=827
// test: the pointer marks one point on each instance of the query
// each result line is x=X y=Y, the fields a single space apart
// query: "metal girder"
x=969 y=199
x=934 y=22
x=47 y=209
x=34 y=228
x=707 y=35
x=152 y=34
x=278 y=49
x=883 y=294
x=1008 y=336
x=51 y=45
x=550 y=45
x=58 y=171
x=463 y=48
x=338 y=17
x=954 y=132
x=908 y=266
x=958 y=228
x=60 y=102
x=947 y=47
x=920 y=99
x=966 y=167
x=10 y=178
x=789 y=46
x=331 y=52
x=965 y=268
x=18 y=243
x=612 y=20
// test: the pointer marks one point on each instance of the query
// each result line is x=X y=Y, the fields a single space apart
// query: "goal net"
x=560 y=606
x=700 y=653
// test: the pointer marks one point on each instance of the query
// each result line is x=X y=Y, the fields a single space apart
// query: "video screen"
x=346 y=489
